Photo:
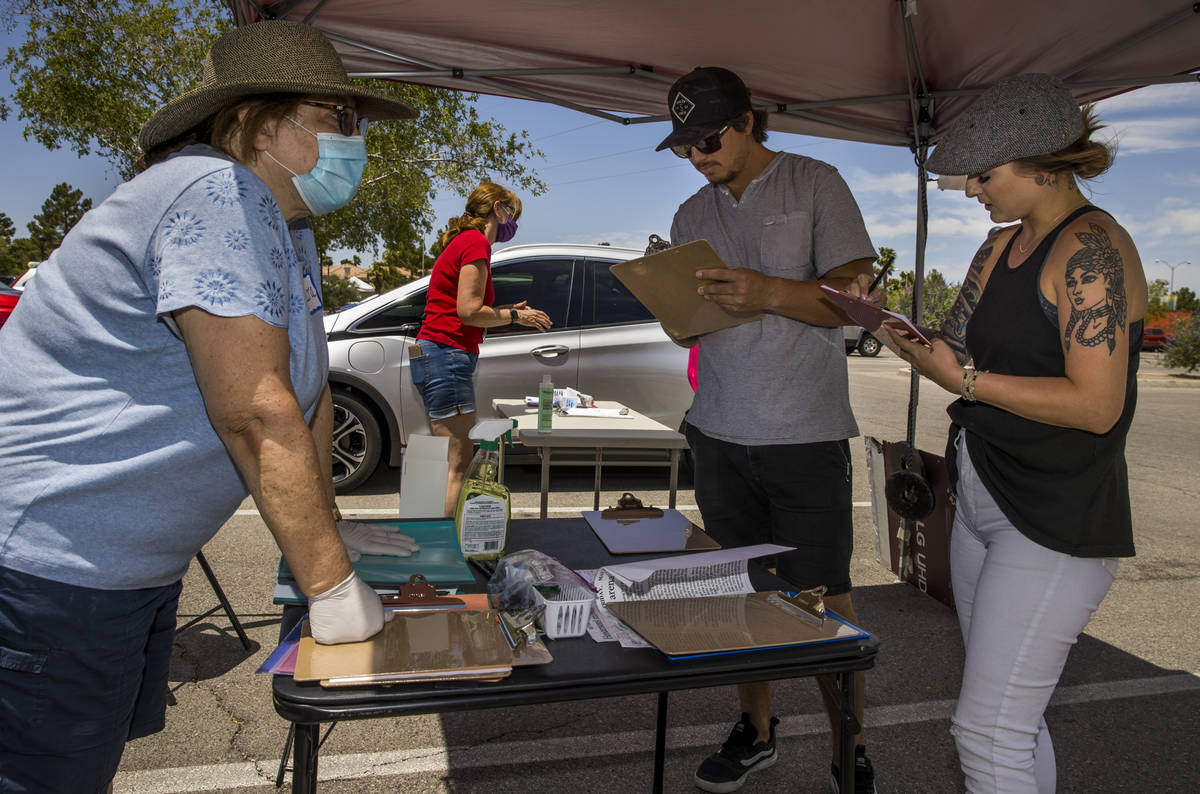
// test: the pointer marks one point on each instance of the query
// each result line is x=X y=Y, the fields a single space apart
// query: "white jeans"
x=1021 y=607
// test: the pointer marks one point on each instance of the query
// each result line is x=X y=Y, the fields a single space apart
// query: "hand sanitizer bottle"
x=545 y=404
x=483 y=512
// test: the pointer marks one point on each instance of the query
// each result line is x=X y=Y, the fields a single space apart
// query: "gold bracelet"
x=968 y=384
x=337 y=514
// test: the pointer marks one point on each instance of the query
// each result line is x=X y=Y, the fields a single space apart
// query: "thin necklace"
x=1022 y=249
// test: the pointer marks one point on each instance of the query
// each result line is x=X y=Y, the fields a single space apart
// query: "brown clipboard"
x=437 y=645
x=688 y=627
x=666 y=284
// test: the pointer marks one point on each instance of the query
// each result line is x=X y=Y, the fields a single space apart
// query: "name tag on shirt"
x=312 y=298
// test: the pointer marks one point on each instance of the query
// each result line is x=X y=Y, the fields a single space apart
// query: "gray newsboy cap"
x=1022 y=116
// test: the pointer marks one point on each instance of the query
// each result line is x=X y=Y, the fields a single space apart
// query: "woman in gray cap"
x=169 y=360
x=1050 y=313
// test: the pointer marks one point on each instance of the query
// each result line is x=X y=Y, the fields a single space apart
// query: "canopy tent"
x=892 y=72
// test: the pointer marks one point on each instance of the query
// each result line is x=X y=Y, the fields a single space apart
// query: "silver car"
x=603 y=343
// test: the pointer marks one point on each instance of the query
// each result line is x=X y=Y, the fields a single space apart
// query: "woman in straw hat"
x=169 y=360
x=1051 y=314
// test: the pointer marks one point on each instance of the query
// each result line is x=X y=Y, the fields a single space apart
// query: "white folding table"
x=635 y=431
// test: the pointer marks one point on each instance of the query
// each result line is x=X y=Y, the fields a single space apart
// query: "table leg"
x=545 y=454
x=660 y=743
x=674 y=477
x=850 y=728
x=596 y=488
x=304 y=760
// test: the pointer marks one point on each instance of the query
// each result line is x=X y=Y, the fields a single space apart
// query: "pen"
x=875 y=282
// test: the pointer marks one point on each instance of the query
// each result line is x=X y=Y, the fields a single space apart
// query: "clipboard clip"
x=806 y=604
x=629 y=507
x=417 y=591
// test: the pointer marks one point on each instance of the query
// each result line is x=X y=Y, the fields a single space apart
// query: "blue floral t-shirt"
x=113 y=475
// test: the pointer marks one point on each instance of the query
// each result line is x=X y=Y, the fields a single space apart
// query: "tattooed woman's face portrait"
x=1088 y=288
x=1096 y=286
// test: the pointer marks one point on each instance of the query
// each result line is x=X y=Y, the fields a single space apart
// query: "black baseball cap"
x=702 y=102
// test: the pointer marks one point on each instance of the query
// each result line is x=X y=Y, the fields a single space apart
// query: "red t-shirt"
x=441 y=323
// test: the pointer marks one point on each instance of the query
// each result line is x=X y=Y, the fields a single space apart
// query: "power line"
x=614 y=176
x=572 y=129
x=589 y=159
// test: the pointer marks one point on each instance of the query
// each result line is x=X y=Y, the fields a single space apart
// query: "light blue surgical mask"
x=335 y=178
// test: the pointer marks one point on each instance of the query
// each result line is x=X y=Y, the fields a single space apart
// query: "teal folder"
x=439 y=560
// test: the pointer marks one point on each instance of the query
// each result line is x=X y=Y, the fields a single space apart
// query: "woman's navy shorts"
x=445 y=377
x=81 y=672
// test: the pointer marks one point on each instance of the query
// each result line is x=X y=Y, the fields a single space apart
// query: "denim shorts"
x=792 y=494
x=81 y=672
x=445 y=377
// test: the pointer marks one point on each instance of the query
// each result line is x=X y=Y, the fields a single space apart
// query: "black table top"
x=581 y=669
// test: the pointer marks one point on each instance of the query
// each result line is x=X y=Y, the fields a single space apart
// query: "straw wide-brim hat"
x=269 y=57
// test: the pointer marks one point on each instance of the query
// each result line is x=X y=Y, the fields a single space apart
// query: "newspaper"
x=725 y=578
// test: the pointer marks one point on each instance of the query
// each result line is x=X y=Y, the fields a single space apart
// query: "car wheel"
x=869 y=346
x=357 y=442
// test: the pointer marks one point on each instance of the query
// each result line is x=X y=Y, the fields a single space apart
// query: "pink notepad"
x=870 y=316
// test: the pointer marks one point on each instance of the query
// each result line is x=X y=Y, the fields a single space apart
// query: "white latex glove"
x=363 y=539
x=348 y=612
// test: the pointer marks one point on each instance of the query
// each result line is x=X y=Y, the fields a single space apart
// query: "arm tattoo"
x=1095 y=281
x=954 y=327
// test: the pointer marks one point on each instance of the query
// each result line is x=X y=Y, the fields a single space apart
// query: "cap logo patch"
x=682 y=107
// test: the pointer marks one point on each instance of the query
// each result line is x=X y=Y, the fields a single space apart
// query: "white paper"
x=631 y=572
x=604 y=626
x=598 y=413
x=711 y=580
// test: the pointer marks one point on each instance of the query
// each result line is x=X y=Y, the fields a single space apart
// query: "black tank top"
x=1065 y=489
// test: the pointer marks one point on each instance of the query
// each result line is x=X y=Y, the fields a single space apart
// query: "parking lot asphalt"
x=1125 y=718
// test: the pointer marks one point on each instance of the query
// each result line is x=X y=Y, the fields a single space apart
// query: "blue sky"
x=606 y=182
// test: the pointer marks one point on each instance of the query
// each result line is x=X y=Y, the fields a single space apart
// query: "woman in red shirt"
x=457 y=310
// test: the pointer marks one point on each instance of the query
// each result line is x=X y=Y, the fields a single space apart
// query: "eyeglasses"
x=347 y=117
x=705 y=145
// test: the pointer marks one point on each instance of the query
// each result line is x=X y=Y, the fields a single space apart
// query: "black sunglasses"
x=705 y=145
x=347 y=117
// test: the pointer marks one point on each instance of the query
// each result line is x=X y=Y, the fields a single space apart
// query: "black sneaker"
x=864 y=774
x=739 y=756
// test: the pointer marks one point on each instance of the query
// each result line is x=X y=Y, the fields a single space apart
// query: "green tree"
x=1157 y=297
x=1184 y=348
x=1185 y=300
x=7 y=230
x=336 y=292
x=60 y=212
x=398 y=266
x=937 y=297
x=90 y=72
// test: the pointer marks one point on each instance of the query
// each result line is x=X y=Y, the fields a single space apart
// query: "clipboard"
x=443 y=645
x=667 y=532
x=690 y=628
x=666 y=284
x=870 y=316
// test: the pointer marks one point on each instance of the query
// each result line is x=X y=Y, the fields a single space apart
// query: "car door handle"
x=550 y=351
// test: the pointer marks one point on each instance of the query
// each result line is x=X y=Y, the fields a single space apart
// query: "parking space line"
x=349 y=766
x=370 y=512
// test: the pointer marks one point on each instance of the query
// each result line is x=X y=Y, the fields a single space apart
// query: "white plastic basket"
x=567 y=613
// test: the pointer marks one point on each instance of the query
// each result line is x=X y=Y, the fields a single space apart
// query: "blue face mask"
x=335 y=178
x=506 y=231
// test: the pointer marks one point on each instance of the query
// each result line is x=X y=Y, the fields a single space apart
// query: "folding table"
x=633 y=431
x=582 y=669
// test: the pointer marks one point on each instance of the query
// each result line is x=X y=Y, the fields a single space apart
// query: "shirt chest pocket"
x=786 y=246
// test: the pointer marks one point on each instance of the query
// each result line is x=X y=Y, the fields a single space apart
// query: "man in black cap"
x=771 y=419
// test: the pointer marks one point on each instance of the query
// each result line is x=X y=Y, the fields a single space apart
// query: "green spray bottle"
x=483 y=512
